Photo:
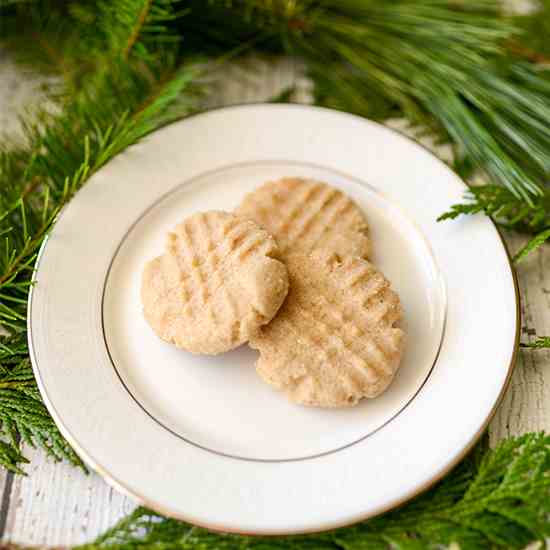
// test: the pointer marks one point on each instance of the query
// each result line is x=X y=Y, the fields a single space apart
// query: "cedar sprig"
x=23 y=416
x=505 y=208
x=494 y=499
x=538 y=240
x=510 y=212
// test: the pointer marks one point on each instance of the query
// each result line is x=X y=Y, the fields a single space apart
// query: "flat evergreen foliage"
x=464 y=72
x=494 y=499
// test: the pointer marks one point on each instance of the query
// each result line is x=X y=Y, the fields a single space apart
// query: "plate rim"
x=192 y=181
x=140 y=499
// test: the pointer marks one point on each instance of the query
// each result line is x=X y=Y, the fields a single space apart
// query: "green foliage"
x=50 y=38
x=138 y=28
x=542 y=342
x=124 y=98
x=443 y=65
x=460 y=70
x=509 y=211
x=535 y=29
x=493 y=499
x=23 y=416
x=537 y=241
x=505 y=208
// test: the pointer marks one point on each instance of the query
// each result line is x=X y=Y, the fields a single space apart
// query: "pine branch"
x=137 y=28
x=78 y=39
x=493 y=499
x=61 y=157
x=108 y=109
x=48 y=37
x=444 y=65
x=465 y=73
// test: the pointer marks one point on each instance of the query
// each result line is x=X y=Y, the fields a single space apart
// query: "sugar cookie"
x=219 y=280
x=304 y=215
x=333 y=341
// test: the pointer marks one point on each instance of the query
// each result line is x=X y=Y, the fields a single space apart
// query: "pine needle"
x=443 y=65
x=137 y=27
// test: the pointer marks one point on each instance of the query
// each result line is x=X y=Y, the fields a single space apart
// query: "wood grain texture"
x=526 y=404
x=6 y=482
x=18 y=90
x=59 y=505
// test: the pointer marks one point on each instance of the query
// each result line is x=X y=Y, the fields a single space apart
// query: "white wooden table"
x=57 y=504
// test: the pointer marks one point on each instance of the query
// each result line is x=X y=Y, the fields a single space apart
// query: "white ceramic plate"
x=202 y=438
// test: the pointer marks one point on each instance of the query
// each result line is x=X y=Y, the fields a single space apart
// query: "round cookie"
x=333 y=341
x=219 y=280
x=304 y=215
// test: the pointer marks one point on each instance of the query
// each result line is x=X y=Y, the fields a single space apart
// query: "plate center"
x=219 y=403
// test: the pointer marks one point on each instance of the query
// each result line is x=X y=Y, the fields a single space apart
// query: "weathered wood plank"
x=526 y=405
x=18 y=90
x=6 y=482
x=57 y=504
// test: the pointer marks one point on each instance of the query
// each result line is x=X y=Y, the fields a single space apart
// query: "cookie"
x=219 y=280
x=334 y=340
x=304 y=215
